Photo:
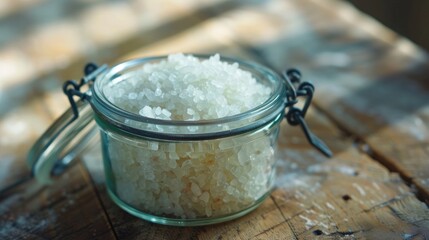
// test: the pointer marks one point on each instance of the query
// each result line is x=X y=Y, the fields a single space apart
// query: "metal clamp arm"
x=68 y=135
x=294 y=115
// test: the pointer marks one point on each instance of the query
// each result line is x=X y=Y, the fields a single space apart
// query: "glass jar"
x=183 y=173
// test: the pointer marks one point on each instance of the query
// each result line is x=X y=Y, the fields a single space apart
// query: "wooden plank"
x=345 y=195
x=369 y=80
x=66 y=210
x=399 y=112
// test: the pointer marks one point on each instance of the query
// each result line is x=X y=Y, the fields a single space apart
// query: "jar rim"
x=252 y=119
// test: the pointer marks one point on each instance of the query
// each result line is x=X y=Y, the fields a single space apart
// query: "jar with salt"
x=186 y=140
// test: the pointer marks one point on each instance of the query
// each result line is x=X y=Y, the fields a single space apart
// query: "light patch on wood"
x=360 y=189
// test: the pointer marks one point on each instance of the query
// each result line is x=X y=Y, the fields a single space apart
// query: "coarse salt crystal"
x=166 y=113
x=190 y=111
x=195 y=189
x=205 y=197
x=146 y=111
x=132 y=96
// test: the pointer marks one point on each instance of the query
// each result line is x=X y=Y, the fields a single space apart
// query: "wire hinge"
x=294 y=115
x=72 y=88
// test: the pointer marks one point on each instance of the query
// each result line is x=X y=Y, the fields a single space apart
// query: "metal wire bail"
x=72 y=132
x=295 y=116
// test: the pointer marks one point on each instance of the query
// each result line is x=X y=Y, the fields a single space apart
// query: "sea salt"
x=197 y=178
x=308 y=222
x=181 y=82
x=330 y=206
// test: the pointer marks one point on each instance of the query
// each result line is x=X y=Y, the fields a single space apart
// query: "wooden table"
x=371 y=107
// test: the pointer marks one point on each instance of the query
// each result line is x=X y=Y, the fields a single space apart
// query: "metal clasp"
x=69 y=134
x=294 y=115
x=72 y=88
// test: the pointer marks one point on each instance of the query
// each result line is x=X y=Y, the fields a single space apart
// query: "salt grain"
x=132 y=96
x=166 y=113
x=158 y=111
x=308 y=222
x=195 y=189
x=147 y=112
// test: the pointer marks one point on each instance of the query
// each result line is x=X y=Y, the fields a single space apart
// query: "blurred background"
x=45 y=42
x=408 y=18
x=40 y=36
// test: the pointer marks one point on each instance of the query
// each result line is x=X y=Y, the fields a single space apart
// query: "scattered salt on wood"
x=329 y=205
x=346 y=170
x=308 y=222
x=13 y=228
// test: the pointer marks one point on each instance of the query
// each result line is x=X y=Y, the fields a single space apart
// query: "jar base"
x=183 y=222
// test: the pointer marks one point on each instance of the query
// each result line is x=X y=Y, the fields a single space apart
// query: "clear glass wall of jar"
x=188 y=173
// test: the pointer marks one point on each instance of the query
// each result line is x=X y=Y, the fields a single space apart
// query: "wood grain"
x=66 y=210
x=69 y=209
x=369 y=80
